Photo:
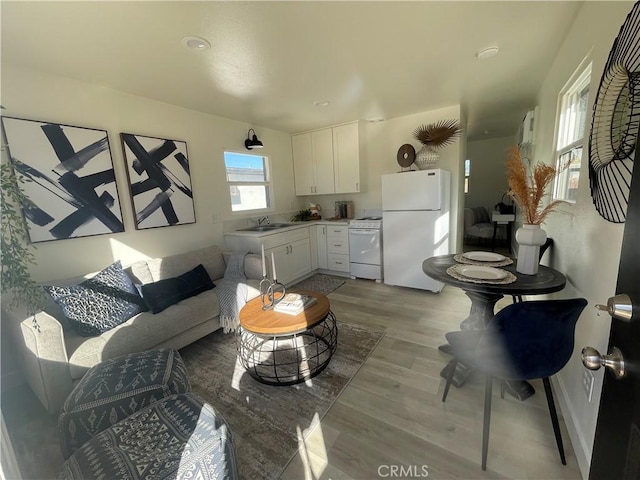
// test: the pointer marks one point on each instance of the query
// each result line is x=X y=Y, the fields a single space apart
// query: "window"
x=249 y=181
x=572 y=120
x=467 y=173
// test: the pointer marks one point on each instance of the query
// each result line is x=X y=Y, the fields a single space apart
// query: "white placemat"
x=502 y=263
x=453 y=271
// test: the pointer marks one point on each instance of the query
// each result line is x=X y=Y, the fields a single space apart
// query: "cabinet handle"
x=324 y=232
x=338 y=263
x=358 y=187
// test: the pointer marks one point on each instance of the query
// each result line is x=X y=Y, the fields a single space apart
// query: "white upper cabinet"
x=322 y=148
x=327 y=160
x=346 y=158
x=313 y=162
x=303 y=164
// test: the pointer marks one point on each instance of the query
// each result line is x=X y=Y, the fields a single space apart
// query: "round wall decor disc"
x=406 y=155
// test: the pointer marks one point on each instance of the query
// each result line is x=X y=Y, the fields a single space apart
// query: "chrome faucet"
x=264 y=220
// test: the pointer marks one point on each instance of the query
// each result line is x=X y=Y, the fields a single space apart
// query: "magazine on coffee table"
x=294 y=303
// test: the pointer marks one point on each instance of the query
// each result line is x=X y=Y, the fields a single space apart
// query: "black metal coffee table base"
x=290 y=358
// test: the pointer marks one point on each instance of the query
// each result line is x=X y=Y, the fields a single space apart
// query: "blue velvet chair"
x=523 y=341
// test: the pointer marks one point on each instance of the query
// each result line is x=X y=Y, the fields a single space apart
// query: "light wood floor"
x=391 y=415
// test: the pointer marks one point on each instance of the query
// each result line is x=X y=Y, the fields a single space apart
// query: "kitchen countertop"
x=291 y=226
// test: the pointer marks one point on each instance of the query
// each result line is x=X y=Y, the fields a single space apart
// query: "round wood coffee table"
x=280 y=349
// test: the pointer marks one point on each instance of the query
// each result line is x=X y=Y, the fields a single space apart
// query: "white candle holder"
x=271 y=293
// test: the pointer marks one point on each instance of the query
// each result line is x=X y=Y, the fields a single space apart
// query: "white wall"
x=33 y=95
x=488 y=178
x=587 y=247
x=380 y=143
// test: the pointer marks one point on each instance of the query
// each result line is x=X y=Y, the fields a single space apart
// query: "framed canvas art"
x=69 y=179
x=159 y=179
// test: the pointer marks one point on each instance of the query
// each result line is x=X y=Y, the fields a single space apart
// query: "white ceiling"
x=270 y=61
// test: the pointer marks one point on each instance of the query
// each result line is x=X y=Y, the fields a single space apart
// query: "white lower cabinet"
x=291 y=250
x=321 y=243
x=293 y=260
x=338 y=248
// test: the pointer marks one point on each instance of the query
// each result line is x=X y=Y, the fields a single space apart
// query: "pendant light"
x=252 y=141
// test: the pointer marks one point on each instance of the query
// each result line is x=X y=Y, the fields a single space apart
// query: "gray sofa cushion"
x=179 y=437
x=114 y=389
x=142 y=332
x=174 y=265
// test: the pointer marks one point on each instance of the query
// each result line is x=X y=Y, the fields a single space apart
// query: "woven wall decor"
x=615 y=122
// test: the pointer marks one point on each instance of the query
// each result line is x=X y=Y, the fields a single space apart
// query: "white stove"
x=365 y=248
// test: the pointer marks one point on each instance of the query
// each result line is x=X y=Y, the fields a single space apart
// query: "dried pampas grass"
x=528 y=188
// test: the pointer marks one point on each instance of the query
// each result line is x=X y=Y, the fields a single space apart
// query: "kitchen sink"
x=264 y=228
x=261 y=228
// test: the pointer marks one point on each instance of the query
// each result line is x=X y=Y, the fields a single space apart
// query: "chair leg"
x=554 y=418
x=503 y=385
x=452 y=365
x=487 y=420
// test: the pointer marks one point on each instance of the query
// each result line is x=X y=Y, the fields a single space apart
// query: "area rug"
x=267 y=421
x=324 y=284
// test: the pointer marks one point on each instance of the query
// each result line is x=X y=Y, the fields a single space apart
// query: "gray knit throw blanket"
x=232 y=293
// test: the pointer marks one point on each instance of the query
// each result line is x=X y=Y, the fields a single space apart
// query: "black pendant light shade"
x=252 y=141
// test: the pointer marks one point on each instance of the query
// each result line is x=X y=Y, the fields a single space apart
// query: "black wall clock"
x=615 y=123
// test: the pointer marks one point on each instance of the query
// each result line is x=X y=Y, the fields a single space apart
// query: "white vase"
x=427 y=158
x=529 y=238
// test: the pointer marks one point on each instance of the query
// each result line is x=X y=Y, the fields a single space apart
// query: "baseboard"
x=580 y=448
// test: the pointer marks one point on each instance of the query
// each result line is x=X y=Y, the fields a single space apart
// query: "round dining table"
x=484 y=296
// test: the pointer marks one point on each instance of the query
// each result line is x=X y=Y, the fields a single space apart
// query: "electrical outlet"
x=588 y=379
x=215 y=218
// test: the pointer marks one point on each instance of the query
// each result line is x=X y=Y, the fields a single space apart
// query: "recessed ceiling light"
x=195 y=43
x=321 y=103
x=487 y=53
x=376 y=119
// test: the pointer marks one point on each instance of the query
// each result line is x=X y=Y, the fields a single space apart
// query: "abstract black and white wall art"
x=69 y=179
x=160 y=182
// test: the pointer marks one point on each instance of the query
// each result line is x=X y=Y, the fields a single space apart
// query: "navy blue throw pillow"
x=164 y=293
x=100 y=303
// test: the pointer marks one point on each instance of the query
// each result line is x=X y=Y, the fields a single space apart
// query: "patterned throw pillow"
x=99 y=303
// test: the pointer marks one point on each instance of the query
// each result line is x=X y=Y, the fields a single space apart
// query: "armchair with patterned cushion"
x=477 y=224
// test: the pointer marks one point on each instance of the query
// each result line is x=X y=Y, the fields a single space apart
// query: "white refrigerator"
x=415 y=213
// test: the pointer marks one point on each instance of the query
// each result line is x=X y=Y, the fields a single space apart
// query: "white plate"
x=484 y=256
x=479 y=272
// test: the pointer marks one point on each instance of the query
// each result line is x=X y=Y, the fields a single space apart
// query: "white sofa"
x=54 y=357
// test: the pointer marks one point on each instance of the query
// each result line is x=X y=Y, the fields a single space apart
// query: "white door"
x=302 y=163
x=410 y=238
x=322 y=246
x=412 y=191
x=299 y=259
x=364 y=246
x=322 y=148
x=346 y=158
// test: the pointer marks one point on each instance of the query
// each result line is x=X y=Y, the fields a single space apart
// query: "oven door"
x=364 y=246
